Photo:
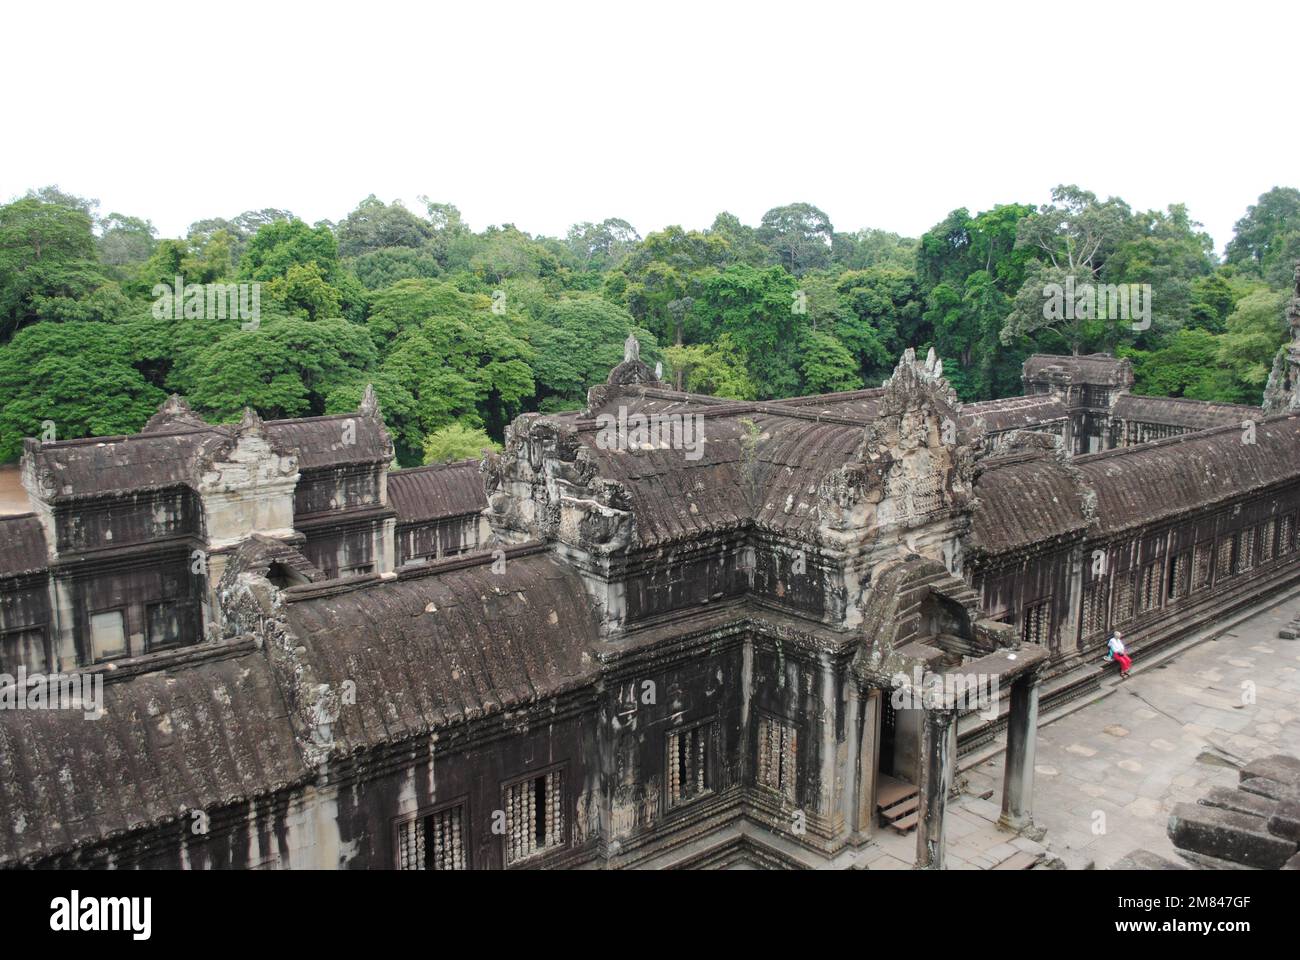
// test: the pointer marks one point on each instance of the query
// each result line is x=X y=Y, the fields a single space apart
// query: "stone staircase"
x=898 y=803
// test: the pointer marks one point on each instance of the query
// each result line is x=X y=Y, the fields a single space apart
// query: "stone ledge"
x=1145 y=860
x=1227 y=835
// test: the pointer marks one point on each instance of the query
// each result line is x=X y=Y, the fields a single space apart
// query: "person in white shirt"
x=1119 y=653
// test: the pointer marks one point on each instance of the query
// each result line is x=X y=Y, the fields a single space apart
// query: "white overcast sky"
x=548 y=113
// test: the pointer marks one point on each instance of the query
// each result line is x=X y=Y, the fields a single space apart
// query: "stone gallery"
x=585 y=653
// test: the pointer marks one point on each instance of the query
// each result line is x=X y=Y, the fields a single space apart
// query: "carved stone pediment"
x=1282 y=394
x=544 y=485
x=594 y=526
x=914 y=462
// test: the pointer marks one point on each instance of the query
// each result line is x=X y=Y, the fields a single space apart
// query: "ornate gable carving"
x=544 y=486
x=914 y=464
x=1282 y=395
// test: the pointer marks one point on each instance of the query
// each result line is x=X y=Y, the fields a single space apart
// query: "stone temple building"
x=637 y=627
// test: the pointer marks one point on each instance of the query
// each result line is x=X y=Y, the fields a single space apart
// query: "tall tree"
x=48 y=266
x=1266 y=240
x=374 y=225
x=799 y=237
x=602 y=246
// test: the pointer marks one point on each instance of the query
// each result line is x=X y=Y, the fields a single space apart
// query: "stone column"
x=938 y=760
x=869 y=711
x=1022 y=736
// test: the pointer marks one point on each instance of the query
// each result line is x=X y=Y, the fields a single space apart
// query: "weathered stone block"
x=1293 y=863
x=1199 y=861
x=1273 y=789
x=1145 y=860
x=1277 y=767
x=1285 y=821
x=1228 y=835
x=1239 y=801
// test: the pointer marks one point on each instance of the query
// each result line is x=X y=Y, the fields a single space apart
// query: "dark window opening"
x=688 y=763
x=1036 y=627
x=778 y=751
x=23 y=648
x=534 y=816
x=432 y=842
x=165 y=626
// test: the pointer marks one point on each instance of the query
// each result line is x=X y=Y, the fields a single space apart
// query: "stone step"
x=891 y=791
x=906 y=824
x=1227 y=835
x=1020 y=860
x=902 y=808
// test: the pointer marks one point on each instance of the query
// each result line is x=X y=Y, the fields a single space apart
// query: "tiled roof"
x=322 y=442
x=436 y=491
x=674 y=497
x=1096 y=368
x=1020 y=502
x=191 y=738
x=174 y=445
x=452 y=641
x=1025 y=500
x=22 y=545
x=1180 y=412
x=1136 y=485
x=104 y=466
x=1013 y=413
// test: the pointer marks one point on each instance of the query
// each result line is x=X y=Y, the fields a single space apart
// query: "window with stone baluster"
x=1286 y=540
x=1180 y=568
x=433 y=841
x=689 y=753
x=1036 y=622
x=1201 y=566
x=1096 y=594
x=778 y=746
x=1123 y=610
x=1148 y=587
x=1267 y=541
x=534 y=821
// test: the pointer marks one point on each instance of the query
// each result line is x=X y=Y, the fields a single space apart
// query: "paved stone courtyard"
x=1107 y=775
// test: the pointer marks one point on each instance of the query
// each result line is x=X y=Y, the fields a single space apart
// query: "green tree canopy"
x=457 y=441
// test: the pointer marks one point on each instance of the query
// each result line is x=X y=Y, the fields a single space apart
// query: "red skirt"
x=1124 y=661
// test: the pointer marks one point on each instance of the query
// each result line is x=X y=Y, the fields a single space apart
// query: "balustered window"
x=1148 y=592
x=1245 y=555
x=688 y=763
x=1268 y=536
x=1095 y=596
x=534 y=816
x=434 y=841
x=1036 y=624
x=1201 y=566
x=1179 y=569
x=778 y=745
x=1226 y=562
x=1123 y=611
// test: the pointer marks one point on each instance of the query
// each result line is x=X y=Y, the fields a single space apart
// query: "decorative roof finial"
x=174 y=412
x=1282 y=392
x=631 y=349
x=369 y=402
x=250 y=421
